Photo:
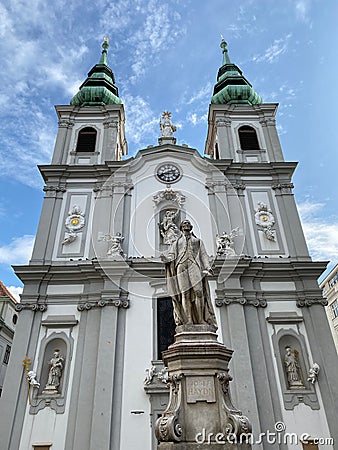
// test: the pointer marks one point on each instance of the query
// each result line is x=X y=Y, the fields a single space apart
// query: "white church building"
x=95 y=314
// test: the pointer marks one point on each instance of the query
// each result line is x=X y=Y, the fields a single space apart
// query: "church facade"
x=95 y=313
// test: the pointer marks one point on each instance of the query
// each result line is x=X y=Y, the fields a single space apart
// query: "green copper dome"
x=231 y=86
x=99 y=87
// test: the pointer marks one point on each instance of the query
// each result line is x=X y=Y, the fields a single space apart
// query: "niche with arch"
x=43 y=396
x=293 y=364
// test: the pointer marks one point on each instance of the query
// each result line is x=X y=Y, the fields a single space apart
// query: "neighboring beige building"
x=329 y=288
x=8 y=319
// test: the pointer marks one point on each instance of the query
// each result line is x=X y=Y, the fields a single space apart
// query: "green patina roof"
x=99 y=87
x=231 y=86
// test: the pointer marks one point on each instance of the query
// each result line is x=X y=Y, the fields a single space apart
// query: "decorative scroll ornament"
x=265 y=220
x=33 y=306
x=74 y=223
x=167 y=428
x=225 y=243
x=236 y=424
x=313 y=373
x=169 y=195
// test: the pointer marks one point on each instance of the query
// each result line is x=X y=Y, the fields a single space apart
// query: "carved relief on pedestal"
x=265 y=221
x=74 y=223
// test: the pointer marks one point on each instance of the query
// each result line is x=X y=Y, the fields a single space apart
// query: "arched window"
x=86 y=140
x=248 y=138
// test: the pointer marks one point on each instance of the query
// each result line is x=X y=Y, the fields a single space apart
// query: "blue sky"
x=165 y=56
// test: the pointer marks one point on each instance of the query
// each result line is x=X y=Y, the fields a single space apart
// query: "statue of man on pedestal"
x=187 y=265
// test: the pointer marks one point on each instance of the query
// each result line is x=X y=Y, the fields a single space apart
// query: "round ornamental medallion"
x=75 y=222
x=168 y=173
x=264 y=218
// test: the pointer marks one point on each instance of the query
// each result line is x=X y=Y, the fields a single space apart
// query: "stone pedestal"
x=163 y=140
x=200 y=413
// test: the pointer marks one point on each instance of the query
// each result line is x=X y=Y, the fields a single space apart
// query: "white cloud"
x=142 y=124
x=303 y=9
x=16 y=291
x=195 y=119
x=151 y=29
x=204 y=93
x=321 y=235
x=274 y=51
x=18 y=251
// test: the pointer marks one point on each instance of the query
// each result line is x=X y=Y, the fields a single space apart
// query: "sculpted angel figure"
x=187 y=267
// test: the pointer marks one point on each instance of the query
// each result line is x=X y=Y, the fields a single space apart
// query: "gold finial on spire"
x=106 y=39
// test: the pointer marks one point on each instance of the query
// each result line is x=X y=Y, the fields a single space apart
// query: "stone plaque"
x=200 y=389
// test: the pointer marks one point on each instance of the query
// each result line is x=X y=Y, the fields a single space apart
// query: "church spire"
x=232 y=86
x=99 y=88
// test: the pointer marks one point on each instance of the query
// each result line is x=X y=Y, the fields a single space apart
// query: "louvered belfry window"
x=248 y=138
x=86 y=140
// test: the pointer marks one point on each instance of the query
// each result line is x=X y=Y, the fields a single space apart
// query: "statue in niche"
x=166 y=126
x=169 y=229
x=187 y=265
x=225 y=243
x=292 y=367
x=56 y=365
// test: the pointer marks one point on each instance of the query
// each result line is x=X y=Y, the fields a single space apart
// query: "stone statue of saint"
x=292 y=367
x=166 y=126
x=187 y=265
x=56 y=365
x=169 y=229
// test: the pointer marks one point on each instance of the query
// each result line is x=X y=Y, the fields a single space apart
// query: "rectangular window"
x=334 y=307
x=333 y=280
x=7 y=353
x=165 y=325
x=42 y=446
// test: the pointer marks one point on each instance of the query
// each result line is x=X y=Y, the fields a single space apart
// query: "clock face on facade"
x=168 y=173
